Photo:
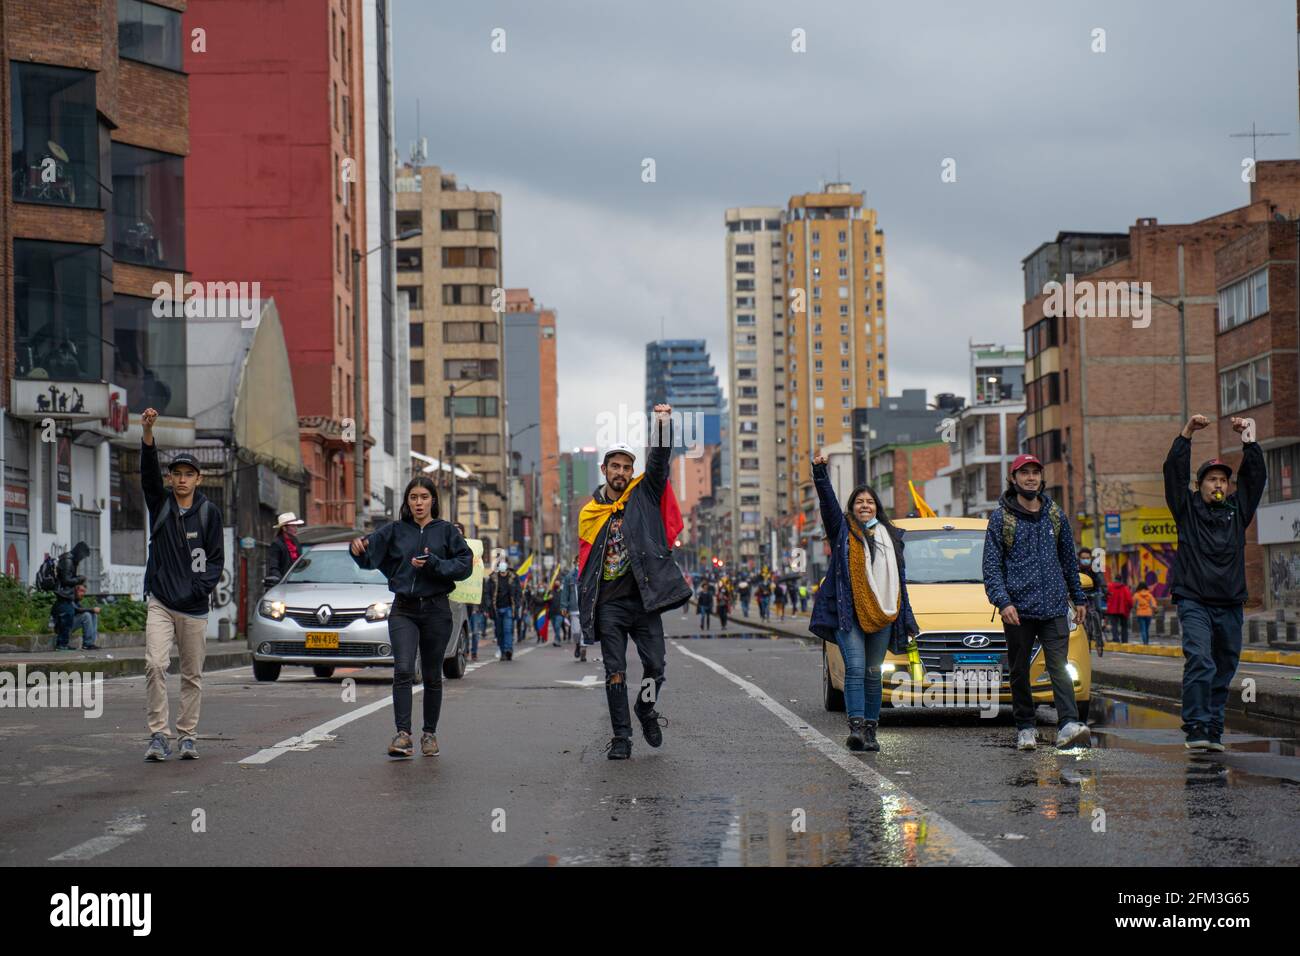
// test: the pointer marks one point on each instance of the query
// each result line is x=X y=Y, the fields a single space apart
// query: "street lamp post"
x=359 y=479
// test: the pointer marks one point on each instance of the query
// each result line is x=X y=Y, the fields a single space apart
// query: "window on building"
x=417 y=335
x=408 y=260
x=469 y=331
x=1283 y=466
x=472 y=406
x=1245 y=386
x=417 y=370
x=148 y=207
x=414 y=295
x=1243 y=300
x=486 y=221
x=149 y=33
x=417 y=409
x=470 y=368
x=59 y=289
x=149 y=356
x=54 y=135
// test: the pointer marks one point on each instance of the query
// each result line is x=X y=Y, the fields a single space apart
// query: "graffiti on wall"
x=1147 y=564
x=1284 y=576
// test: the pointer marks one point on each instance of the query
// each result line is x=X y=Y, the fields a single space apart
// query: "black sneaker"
x=650 y=727
x=620 y=748
x=869 y=735
x=1215 y=738
x=1197 y=739
x=857 y=740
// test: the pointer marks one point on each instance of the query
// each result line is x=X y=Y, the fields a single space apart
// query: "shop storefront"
x=1143 y=552
x=1278 y=528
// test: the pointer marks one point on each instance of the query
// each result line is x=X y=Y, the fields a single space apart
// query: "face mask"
x=501 y=568
x=873 y=522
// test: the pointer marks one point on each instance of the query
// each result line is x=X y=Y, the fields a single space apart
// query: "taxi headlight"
x=272 y=609
x=1072 y=671
x=888 y=668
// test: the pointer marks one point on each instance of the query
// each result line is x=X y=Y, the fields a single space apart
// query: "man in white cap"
x=284 y=548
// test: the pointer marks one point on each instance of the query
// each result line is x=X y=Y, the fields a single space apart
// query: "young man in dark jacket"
x=501 y=595
x=65 y=594
x=1208 y=581
x=628 y=577
x=1032 y=583
x=184 y=566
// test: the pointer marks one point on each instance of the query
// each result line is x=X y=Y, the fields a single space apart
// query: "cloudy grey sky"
x=1047 y=135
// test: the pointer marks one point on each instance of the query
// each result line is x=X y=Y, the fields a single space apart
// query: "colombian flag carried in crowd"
x=523 y=569
x=594 y=515
x=540 y=623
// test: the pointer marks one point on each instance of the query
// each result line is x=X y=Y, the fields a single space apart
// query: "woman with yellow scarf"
x=862 y=605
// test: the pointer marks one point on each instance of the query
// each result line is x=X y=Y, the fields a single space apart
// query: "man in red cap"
x=1031 y=575
x=1208 y=580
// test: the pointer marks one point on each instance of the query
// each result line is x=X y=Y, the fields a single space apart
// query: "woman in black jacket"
x=423 y=557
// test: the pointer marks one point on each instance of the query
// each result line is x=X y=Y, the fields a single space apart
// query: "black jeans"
x=616 y=621
x=1119 y=628
x=423 y=623
x=1053 y=634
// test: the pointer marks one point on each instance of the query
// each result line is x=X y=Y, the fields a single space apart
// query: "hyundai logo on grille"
x=975 y=640
x=323 y=613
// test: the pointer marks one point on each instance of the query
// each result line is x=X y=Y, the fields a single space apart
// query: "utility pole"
x=1096 y=503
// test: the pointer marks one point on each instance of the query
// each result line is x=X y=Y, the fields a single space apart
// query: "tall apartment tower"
x=756 y=357
x=450 y=276
x=532 y=398
x=835 y=326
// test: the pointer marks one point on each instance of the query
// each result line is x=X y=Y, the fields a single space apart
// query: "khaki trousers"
x=162 y=627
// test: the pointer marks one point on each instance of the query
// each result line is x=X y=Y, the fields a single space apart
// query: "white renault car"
x=328 y=613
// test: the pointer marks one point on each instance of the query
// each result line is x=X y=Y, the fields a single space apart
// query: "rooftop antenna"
x=420 y=146
x=1254 y=134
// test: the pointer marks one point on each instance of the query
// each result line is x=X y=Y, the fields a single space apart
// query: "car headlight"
x=377 y=611
x=888 y=668
x=1072 y=671
x=272 y=609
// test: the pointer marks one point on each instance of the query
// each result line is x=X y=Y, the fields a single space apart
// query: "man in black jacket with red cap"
x=1209 y=573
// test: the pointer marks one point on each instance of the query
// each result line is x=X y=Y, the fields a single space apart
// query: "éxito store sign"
x=1140 y=550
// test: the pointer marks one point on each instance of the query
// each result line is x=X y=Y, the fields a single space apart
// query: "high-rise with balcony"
x=450 y=276
x=756 y=353
x=835 y=327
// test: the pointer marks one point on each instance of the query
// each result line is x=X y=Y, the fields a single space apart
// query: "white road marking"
x=965 y=848
x=588 y=681
x=324 y=732
x=118 y=831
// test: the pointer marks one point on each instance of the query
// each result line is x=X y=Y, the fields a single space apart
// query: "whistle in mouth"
x=1218 y=496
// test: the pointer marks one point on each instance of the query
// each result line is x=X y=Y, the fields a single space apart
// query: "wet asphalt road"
x=752 y=772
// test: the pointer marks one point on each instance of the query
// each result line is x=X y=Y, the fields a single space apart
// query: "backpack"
x=1009 y=525
x=47 y=576
x=206 y=511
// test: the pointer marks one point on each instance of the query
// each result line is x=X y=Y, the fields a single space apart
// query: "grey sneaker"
x=187 y=749
x=1074 y=734
x=1026 y=740
x=429 y=744
x=158 y=749
x=401 y=745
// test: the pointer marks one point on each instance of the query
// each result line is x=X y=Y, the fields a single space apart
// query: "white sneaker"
x=1026 y=740
x=1074 y=734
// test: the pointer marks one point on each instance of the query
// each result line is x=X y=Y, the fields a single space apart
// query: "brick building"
x=95 y=122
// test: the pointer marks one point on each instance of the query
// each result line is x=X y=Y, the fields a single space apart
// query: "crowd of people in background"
x=720 y=593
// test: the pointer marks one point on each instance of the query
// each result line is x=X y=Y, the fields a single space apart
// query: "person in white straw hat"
x=284 y=549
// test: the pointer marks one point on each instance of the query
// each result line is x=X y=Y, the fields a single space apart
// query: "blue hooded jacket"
x=833 y=604
x=1040 y=574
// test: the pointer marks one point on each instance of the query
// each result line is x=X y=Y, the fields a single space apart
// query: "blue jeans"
x=477 y=624
x=505 y=629
x=63 y=612
x=89 y=624
x=1144 y=625
x=1211 y=649
x=863 y=654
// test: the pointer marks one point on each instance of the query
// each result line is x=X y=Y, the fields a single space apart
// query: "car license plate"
x=977 y=676
x=322 y=640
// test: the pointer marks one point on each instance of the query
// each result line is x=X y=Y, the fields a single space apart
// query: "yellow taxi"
x=961 y=642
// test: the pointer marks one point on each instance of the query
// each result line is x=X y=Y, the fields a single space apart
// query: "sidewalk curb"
x=1248 y=655
x=214 y=660
x=1266 y=705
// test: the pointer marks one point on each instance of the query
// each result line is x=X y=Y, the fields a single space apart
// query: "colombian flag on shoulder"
x=594 y=515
